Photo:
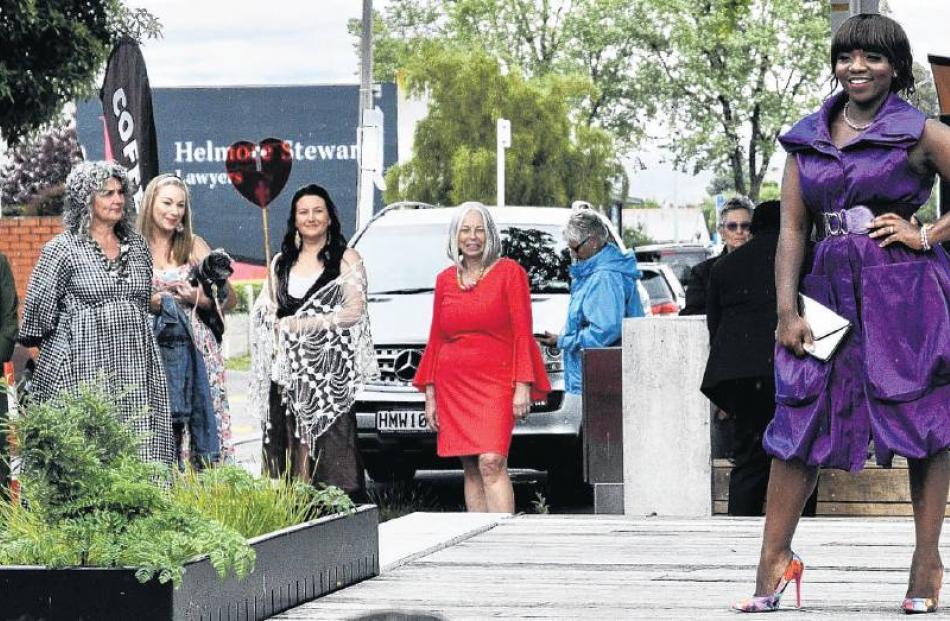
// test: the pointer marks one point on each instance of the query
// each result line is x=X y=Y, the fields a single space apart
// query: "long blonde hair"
x=182 y=241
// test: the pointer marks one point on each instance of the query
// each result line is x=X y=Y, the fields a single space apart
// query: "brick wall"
x=21 y=240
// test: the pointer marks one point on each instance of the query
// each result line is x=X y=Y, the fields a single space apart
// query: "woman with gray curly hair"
x=86 y=307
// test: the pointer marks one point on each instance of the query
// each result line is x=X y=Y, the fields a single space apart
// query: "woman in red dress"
x=481 y=367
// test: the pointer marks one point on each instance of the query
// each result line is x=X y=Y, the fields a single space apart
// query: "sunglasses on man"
x=732 y=227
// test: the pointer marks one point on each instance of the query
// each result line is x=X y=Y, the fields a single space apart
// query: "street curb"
x=397 y=529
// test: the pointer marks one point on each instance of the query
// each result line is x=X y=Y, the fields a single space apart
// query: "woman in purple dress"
x=858 y=169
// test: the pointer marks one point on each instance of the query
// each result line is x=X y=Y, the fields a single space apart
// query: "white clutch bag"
x=828 y=328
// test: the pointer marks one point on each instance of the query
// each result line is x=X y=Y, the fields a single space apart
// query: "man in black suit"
x=735 y=221
x=741 y=317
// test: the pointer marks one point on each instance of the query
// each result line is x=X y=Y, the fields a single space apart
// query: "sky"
x=231 y=42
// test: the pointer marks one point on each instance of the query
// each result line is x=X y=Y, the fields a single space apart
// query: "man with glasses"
x=735 y=224
x=739 y=377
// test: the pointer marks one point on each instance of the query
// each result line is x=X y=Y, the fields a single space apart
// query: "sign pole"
x=364 y=176
x=502 y=142
x=267 y=257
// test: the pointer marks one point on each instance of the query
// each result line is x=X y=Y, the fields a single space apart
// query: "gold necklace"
x=461 y=280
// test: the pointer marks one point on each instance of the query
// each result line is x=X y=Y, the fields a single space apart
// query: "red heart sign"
x=259 y=171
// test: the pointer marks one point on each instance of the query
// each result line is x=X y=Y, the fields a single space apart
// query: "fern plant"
x=90 y=500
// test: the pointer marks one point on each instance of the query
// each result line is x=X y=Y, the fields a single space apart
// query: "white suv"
x=403 y=248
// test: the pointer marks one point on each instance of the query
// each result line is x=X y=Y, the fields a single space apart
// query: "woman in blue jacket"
x=603 y=292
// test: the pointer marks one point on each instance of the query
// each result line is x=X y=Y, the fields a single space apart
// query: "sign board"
x=504 y=133
x=195 y=126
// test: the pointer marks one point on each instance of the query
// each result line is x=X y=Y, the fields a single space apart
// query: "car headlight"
x=553 y=361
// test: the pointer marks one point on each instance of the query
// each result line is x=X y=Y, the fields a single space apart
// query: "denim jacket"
x=189 y=393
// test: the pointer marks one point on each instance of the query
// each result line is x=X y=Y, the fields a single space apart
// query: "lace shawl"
x=320 y=361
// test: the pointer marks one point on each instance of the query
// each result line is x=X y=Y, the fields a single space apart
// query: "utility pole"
x=502 y=142
x=364 y=177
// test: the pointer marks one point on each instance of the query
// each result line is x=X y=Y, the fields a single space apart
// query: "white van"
x=403 y=249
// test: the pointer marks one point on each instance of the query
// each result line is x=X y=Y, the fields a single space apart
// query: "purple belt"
x=854 y=221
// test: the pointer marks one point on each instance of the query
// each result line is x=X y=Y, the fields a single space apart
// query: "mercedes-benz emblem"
x=406 y=363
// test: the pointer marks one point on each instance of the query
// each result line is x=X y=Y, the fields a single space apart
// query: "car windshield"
x=656 y=286
x=406 y=259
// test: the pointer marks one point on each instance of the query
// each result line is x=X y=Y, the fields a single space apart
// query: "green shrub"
x=90 y=501
x=245 y=304
x=253 y=506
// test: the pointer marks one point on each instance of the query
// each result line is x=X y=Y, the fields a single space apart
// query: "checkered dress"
x=89 y=320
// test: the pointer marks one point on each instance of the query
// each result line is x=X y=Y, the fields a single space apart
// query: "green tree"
x=729 y=75
x=634 y=237
x=590 y=38
x=52 y=50
x=709 y=213
x=721 y=184
x=771 y=191
x=925 y=97
x=553 y=159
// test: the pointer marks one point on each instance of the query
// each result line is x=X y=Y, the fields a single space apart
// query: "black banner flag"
x=127 y=109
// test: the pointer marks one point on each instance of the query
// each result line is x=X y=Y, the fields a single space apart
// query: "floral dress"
x=214 y=363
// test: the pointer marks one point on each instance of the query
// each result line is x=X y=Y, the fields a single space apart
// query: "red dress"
x=480 y=344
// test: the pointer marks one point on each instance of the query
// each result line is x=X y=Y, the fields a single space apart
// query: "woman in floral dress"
x=165 y=222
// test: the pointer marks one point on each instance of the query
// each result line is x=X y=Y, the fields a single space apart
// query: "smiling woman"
x=201 y=418
x=312 y=349
x=858 y=170
x=86 y=307
x=481 y=368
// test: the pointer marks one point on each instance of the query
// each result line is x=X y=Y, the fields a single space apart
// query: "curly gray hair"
x=84 y=180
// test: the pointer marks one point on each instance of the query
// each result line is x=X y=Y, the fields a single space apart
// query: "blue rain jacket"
x=603 y=292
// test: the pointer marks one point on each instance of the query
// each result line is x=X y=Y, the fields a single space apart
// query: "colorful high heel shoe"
x=768 y=603
x=921 y=605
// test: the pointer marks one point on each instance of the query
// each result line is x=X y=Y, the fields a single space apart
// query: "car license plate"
x=409 y=421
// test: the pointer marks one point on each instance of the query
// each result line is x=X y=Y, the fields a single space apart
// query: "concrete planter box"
x=294 y=565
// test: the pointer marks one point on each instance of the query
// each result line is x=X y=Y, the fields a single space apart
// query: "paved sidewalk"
x=419 y=534
x=606 y=568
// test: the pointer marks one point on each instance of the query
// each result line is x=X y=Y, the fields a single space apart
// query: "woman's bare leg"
x=474 y=487
x=790 y=485
x=929 y=479
x=499 y=494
